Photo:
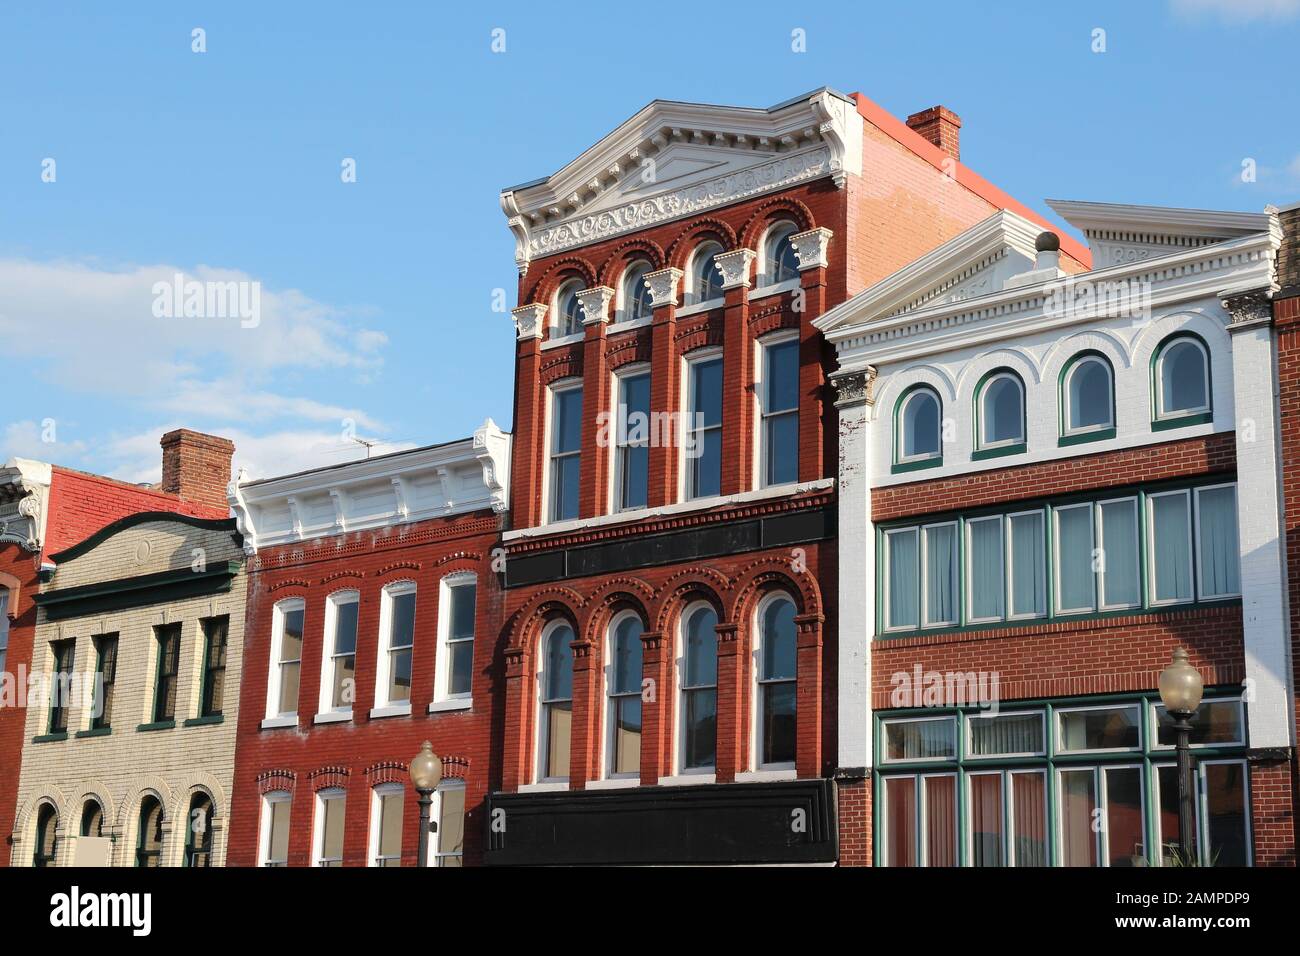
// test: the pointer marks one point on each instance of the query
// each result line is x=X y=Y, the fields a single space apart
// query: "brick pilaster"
x=808 y=694
x=518 y=737
x=731 y=696
x=654 y=707
x=584 y=745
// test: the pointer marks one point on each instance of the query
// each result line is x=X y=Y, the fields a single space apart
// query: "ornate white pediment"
x=24 y=502
x=673 y=160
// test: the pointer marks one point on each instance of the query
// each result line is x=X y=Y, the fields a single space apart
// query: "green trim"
x=143 y=517
x=906 y=466
x=1000 y=452
x=95 y=732
x=1179 y=421
x=900 y=467
x=1082 y=438
x=47 y=738
x=1182 y=421
x=157 y=725
x=145 y=589
x=204 y=721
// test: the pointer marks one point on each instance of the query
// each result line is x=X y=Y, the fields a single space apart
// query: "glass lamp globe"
x=426 y=768
x=1180 y=685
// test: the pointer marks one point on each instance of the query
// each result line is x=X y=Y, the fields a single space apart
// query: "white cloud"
x=1238 y=11
x=38 y=440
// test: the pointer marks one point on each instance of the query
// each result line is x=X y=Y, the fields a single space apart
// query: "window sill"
x=205 y=721
x=699 y=307
x=458 y=703
x=688 y=779
x=156 y=725
x=614 y=783
x=274 y=723
x=906 y=466
x=546 y=786
x=776 y=288
x=1082 y=438
x=1000 y=452
x=94 y=732
x=332 y=717
x=1181 y=421
x=628 y=325
x=573 y=339
x=767 y=776
x=391 y=710
x=48 y=738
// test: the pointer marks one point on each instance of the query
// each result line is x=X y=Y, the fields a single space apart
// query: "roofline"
x=144 y=517
x=359 y=461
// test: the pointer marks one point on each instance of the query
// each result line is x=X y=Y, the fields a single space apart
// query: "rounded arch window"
x=698 y=697
x=47 y=839
x=779 y=260
x=149 y=839
x=198 y=836
x=1182 y=377
x=555 y=720
x=920 y=418
x=775 y=677
x=1088 y=395
x=623 y=737
x=1001 y=409
x=706 y=277
x=635 y=304
x=92 y=819
x=568 y=309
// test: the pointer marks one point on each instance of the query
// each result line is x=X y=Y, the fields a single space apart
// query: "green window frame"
x=1162 y=420
x=167 y=638
x=106 y=678
x=65 y=653
x=216 y=638
x=1087 y=433
x=904 y=463
x=1004 y=446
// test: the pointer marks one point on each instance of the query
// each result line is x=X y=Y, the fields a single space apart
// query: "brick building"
x=45 y=509
x=1047 y=484
x=373 y=608
x=670 y=640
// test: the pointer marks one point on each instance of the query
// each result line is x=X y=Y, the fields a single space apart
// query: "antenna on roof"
x=361 y=441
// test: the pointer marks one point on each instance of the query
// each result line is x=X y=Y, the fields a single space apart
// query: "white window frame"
x=762 y=376
x=1161 y=413
x=264 y=826
x=692 y=359
x=608 y=727
x=679 y=716
x=967 y=743
x=442 y=662
x=1151 y=497
x=318 y=824
x=757 y=681
x=557 y=335
x=931 y=718
x=707 y=248
x=622 y=304
x=1058 y=712
x=329 y=657
x=1099 y=543
x=1196 y=535
x=1154 y=716
x=900 y=440
x=1055 y=556
x=923 y=553
x=1007 y=542
x=617 y=463
x=539 y=710
x=767 y=281
x=1004 y=529
x=1022 y=439
x=434 y=837
x=376 y=805
x=1067 y=428
x=274 y=716
x=548 y=479
x=383 y=658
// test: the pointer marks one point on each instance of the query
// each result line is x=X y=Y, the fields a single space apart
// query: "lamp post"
x=1180 y=692
x=426 y=771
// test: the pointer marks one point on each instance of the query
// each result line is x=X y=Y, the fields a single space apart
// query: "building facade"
x=46 y=509
x=1047 y=484
x=670 y=624
x=373 y=613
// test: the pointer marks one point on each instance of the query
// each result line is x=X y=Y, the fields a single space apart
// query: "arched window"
x=705 y=277
x=1087 y=395
x=568 y=310
x=1182 y=372
x=623 y=687
x=148 y=842
x=698 y=689
x=918 y=427
x=198 y=835
x=92 y=819
x=634 y=296
x=779 y=260
x=47 y=840
x=1000 y=410
x=774 y=695
x=555 y=700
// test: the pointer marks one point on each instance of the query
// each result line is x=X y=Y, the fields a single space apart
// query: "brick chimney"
x=941 y=126
x=196 y=467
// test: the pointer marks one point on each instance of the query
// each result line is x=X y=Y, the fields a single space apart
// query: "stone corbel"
x=663 y=286
x=734 y=267
x=399 y=496
x=855 y=388
x=518 y=224
x=340 y=509
x=595 y=304
x=528 y=320
x=1247 y=308
x=492 y=448
x=810 y=248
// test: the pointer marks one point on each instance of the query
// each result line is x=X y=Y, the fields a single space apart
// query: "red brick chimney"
x=941 y=126
x=196 y=467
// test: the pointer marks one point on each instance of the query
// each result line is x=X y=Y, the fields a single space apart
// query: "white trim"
x=690 y=360
x=325 y=709
x=539 y=706
x=1196 y=534
x=762 y=364
x=272 y=723
x=384 y=707
x=757 y=681
x=776 y=288
x=454 y=704
x=900 y=423
x=981 y=443
x=572 y=338
x=620 y=377
x=376 y=806
x=1161 y=414
x=434 y=837
x=264 y=823
x=607 y=726
x=391 y=710
x=615 y=783
x=333 y=717
x=318 y=821
x=545 y=786
x=556 y=388
x=767 y=776
x=679 y=699
x=1152 y=600
x=274 y=715
x=689 y=778
x=1067 y=408
x=442 y=663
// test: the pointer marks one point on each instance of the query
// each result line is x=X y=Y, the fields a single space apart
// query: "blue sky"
x=377 y=295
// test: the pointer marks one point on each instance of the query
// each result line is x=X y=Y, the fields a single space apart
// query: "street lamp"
x=1180 y=691
x=426 y=771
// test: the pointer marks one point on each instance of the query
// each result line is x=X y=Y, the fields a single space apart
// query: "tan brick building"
x=129 y=760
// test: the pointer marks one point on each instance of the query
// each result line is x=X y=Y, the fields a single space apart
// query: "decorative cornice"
x=810 y=248
x=528 y=320
x=1248 y=308
x=734 y=267
x=663 y=286
x=595 y=304
x=24 y=502
x=855 y=388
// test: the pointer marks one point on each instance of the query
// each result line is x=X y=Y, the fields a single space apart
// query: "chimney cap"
x=1047 y=242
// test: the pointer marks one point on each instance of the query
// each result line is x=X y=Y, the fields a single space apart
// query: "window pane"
x=1029 y=818
x=1171 y=544
x=451 y=827
x=701 y=652
x=462 y=610
x=782 y=376
x=558 y=680
x=778 y=731
x=920 y=425
x=1102 y=728
x=626 y=662
x=1002 y=415
x=403 y=620
x=1089 y=395
x=940 y=821
x=462 y=667
x=332 y=828
x=390 y=828
x=279 y=836
x=291 y=640
x=707 y=392
x=920 y=739
x=1219 y=554
x=902 y=609
x=1078 y=803
x=559 y=717
x=1075 y=558
x=1006 y=734
x=345 y=645
x=635 y=407
x=1120 y=578
x=778 y=640
x=627 y=734
x=706 y=466
x=900 y=821
x=568 y=420
x=987 y=589
x=1028 y=578
x=986 y=819
x=1225 y=821
x=1182 y=366
x=701 y=728
x=1124 y=828
x=1169 y=821
x=345 y=627
x=708 y=280
x=289 y=688
x=399 y=675
x=1215 y=722
x=781 y=433
x=941 y=574
x=783 y=264
x=566 y=477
